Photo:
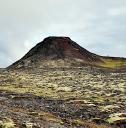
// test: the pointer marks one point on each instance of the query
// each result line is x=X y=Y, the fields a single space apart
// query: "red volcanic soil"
x=66 y=49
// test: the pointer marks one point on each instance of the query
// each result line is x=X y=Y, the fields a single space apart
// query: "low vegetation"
x=81 y=97
x=113 y=63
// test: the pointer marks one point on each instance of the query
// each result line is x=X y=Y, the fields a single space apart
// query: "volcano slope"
x=57 y=52
x=59 y=84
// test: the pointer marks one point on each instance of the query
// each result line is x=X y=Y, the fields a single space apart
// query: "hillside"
x=57 y=52
x=63 y=52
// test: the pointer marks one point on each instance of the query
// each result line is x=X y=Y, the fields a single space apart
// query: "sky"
x=97 y=25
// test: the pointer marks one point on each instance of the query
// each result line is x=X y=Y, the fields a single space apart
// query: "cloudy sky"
x=97 y=25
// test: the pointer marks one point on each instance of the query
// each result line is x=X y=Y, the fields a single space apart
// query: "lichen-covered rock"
x=66 y=89
x=117 y=119
x=6 y=122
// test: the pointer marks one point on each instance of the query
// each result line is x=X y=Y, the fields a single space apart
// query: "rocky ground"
x=63 y=97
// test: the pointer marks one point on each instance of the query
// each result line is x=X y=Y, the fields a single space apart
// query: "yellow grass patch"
x=113 y=63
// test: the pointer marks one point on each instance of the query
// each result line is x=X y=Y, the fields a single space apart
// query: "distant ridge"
x=59 y=52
